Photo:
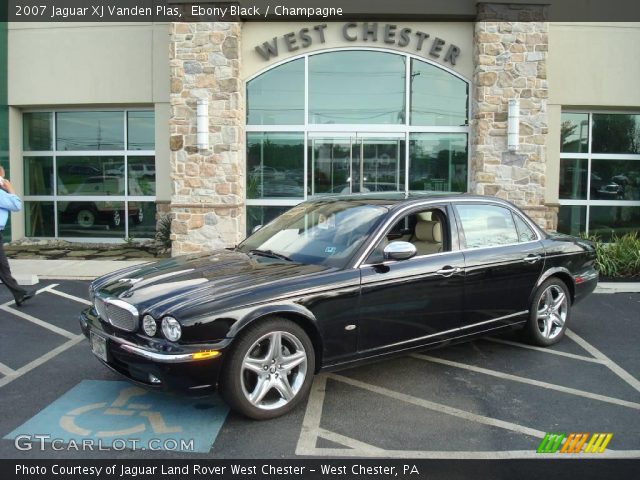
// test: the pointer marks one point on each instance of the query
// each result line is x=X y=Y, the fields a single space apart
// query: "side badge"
x=348 y=328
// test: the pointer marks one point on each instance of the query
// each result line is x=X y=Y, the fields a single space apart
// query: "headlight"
x=171 y=329
x=149 y=325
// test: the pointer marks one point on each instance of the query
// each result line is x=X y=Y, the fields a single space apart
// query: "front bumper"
x=173 y=370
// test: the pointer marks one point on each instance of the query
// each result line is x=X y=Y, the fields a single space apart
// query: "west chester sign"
x=374 y=32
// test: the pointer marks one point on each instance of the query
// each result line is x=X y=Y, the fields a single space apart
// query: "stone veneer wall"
x=207 y=202
x=510 y=61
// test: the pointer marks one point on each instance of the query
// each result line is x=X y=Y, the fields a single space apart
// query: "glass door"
x=356 y=163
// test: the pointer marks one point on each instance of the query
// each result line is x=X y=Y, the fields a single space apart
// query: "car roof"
x=402 y=199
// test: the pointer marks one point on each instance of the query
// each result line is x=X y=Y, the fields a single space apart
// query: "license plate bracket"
x=99 y=346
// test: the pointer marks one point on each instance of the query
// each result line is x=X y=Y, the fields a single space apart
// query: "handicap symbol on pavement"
x=110 y=411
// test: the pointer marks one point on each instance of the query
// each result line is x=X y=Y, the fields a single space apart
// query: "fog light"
x=154 y=379
x=149 y=325
x=171 y=329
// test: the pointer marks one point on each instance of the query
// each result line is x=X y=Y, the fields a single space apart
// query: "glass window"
x=36 y=131
x=38 y=219
x=275 y=165
x=90 y=175
x=605 y=222
x=574 y=132
x=437 y=97
x=525 y=232
x=142 y=175
x=277 y=96
x=615 y=179
x=38 y=176
x=261 y=215
x=572 y=219
x=89 y=131
x=141 y=130
x=573 y=178
x=616 y=133
x=356 y=87
x=487 y=225
x=91 y=219
x=438 y=162
x=142 y=219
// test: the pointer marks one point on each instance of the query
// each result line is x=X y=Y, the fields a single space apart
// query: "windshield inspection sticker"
x=330 y=250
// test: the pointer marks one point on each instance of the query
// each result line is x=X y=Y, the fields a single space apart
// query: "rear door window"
x=487 y=225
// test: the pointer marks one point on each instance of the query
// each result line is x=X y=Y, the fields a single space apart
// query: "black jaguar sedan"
x=330 y=283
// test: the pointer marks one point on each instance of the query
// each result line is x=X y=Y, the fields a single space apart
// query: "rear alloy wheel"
x=550 y=311
x=269 y=370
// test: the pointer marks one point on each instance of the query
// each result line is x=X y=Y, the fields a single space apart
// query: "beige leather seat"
x=428 y=236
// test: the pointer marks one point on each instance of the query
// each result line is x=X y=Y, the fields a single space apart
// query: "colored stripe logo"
x=574 y=443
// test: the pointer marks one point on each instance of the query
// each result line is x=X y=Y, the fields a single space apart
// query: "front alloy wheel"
x=269 y=370
x=550 y=311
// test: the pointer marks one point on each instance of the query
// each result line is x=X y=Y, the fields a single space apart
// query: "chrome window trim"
x=435 y=201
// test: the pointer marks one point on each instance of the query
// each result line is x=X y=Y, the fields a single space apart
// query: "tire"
x=549 y=313
x=86 y=217
x=256 y=382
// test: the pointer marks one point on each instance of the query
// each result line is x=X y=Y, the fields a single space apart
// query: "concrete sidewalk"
x=28 y=272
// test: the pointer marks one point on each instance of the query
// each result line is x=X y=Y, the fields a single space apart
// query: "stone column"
x=510 y=60
x=207 y=204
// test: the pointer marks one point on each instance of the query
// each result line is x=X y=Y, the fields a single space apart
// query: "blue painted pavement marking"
x=116 y=413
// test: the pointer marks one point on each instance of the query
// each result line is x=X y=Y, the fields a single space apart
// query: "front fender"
x=283 y=309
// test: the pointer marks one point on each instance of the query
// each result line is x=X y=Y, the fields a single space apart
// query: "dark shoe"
x=23 y=298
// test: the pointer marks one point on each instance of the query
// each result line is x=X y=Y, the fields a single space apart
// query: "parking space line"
x=43 y=359
x=39 y=291
x=610 y=364
x=537 y=383
x=467 y=455
x=311 y=421
x=348 y=441
x=6 y=370
x=37 y=321
x=438 y=407
x=545 y=350
x=69 y=296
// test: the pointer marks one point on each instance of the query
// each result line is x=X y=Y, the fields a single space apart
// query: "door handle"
x=448 y=271
x=532 y=258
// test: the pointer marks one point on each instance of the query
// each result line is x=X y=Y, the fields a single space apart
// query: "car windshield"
x=324 y=233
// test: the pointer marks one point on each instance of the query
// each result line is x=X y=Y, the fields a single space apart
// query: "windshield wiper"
x=270 y=253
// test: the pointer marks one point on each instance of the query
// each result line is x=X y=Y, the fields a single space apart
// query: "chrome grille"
x=118 y=313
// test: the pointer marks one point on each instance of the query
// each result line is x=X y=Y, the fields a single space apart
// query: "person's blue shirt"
x=8 y=203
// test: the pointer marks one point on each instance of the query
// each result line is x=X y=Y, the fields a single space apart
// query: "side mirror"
x=399 y=251
x=255 y=229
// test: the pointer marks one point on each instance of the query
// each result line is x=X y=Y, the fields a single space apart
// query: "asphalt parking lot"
x=492 y=398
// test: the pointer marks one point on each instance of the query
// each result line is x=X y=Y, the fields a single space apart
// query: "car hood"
x=166 y=286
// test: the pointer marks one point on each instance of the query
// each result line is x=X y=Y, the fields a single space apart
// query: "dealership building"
x=224 y=125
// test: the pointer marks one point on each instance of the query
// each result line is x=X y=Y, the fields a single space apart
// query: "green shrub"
x=620 y=258
x=163 y=234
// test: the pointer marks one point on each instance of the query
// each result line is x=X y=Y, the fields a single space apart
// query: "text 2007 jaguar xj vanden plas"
x=332 y=282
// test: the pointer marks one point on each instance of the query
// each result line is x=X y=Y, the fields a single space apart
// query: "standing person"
x=9 y=202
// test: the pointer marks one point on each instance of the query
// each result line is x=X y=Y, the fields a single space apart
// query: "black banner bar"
x=317 y=10
x=317 y=469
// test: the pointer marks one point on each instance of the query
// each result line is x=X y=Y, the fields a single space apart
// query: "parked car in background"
x=87 y=214
x=331 y=283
